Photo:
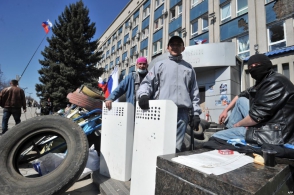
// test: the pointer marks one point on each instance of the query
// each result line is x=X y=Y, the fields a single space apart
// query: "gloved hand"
x=194 y=123
x=144 y=102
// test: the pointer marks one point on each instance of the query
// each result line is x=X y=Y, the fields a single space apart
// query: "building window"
x=118 y=44
x=135 y=21
x=122 y=75
x=145 y=33
x=117 y=60
x=194 y=3
x=172 y=14
x=242 y=7
x=144 y=52
x=157 y=47
x=286 y=72
x=226 y=12
x=106 y=67
x=157 y=3
x=146 y=12
x=176 y=33
x=194 y=28
x=111 y=64
x=276 y=36
x=112 y=49
x=158 y=23
x=243 y=46
x=132 y=69
x=267 y=1
x=180 y=9
x=205 y=23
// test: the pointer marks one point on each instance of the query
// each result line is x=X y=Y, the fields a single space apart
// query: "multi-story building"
x=144 y=26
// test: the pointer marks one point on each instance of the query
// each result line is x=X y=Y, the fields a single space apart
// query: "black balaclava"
x=259 y=72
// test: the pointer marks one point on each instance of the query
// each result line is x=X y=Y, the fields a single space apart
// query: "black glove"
x=144 y=102
x=194 y=123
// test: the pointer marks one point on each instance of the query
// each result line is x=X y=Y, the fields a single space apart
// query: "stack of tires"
x=87 y=98
x=199 y=135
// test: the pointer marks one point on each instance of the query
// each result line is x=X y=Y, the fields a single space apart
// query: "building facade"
x=144 y=27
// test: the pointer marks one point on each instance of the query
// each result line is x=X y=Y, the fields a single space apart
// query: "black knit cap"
x=173 y=38
x=262 y=59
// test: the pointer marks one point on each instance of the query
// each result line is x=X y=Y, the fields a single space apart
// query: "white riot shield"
x=117 y=137
x=155 y=134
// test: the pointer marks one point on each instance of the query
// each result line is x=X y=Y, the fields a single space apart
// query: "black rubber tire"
x=84 y=101
x=205 y=124
x=55 y=182
x=187 y=139
x=196 y=133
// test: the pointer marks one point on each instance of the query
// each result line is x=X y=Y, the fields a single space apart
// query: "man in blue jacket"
x=130 y=84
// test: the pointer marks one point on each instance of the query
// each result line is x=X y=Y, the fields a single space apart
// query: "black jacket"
x=272 y=107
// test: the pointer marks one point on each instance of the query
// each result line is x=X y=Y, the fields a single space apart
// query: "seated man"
x=262 y=113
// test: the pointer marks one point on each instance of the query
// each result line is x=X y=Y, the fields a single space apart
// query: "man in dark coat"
x=262 y=114
x=12 y=99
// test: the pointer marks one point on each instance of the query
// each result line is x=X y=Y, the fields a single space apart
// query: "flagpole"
x=32 y=57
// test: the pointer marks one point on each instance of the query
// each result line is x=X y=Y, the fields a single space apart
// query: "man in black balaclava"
x=262 y=114
x=259 y=66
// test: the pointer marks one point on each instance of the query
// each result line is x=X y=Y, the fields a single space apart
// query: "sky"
x=21 y=33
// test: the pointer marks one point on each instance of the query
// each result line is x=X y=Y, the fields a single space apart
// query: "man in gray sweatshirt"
x=173 y=79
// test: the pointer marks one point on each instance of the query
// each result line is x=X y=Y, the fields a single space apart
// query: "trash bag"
x=93 y=163
x=48 y=163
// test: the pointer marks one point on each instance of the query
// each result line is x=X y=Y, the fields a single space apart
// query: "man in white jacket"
x=173 y=79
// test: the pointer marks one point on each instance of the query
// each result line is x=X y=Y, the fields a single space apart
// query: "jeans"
x=7 y=112
x=183 y=120
x=239 y=112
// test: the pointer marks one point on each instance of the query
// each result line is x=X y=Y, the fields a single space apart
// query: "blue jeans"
x=183 y=120
x=7 y=112
x=239 y=112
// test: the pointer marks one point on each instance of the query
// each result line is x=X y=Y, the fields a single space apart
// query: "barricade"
x=155 y=134
x=117 y=135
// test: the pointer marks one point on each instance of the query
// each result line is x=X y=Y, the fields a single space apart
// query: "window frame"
x=146 y=14
x=221 y=12
x=238 y=12
x=206 y=28
x=245 y=51
x=194 y=4
x=172 y=11
x=277 y=42
x=195 y=33
x=180 y=9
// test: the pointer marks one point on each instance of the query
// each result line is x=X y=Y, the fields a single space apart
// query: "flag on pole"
x=47 y=26
x=111 y=84
x=199 y=41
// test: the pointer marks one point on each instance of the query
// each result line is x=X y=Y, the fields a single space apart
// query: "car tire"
x=84 y=101
x=91 y=92
x=205 y=124
x=196 y=133
x=59 y=180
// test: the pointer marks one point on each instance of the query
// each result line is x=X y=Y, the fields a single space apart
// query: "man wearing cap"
x=130 y=84
x=173 y=79
x=262 y=113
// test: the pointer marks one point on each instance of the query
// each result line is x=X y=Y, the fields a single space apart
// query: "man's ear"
x=183 y=48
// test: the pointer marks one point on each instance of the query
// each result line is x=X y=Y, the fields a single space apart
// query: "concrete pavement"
x=84 y=187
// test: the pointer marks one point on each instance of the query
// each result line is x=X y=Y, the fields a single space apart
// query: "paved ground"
x=84 y=187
